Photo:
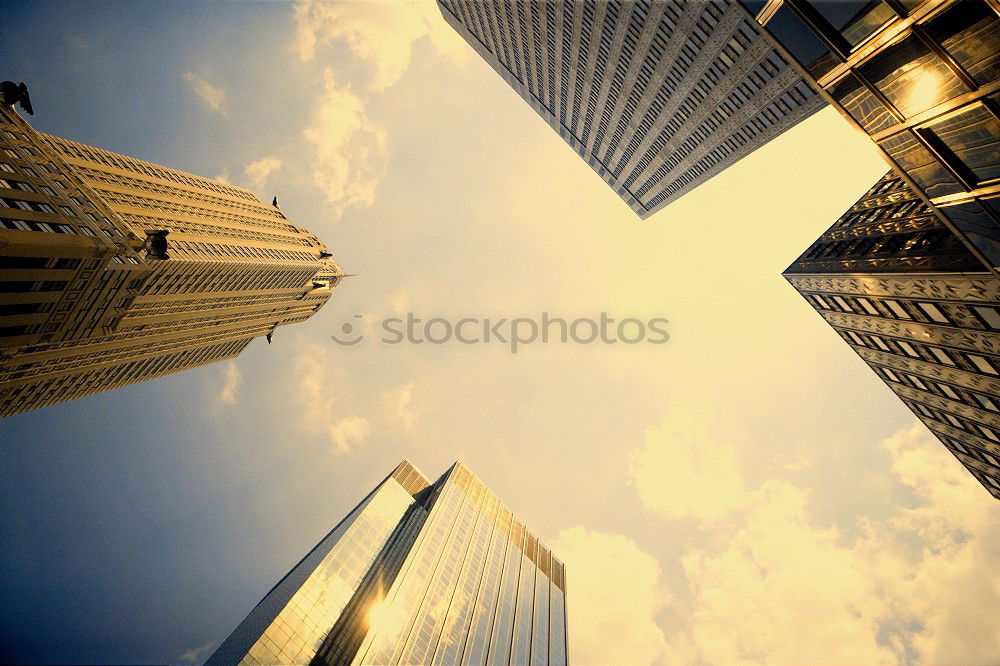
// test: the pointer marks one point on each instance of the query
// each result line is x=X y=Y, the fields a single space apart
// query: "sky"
x=748 y=492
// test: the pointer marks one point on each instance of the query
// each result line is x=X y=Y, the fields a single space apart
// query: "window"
x=933 y=312
x=913 y=158
x=949 y=391
x=842 y=303
x=801 y=42
x=867 y=305
x=890 y=375
x=942 y=356
x=923 y=410
x=917 y=382
x=854 y=21
x=985 y=402
x=982 y=364
x=954 y=421
x=988 y=433
x=968 y=139
x=989 y=316
x=964 y=30
x=897 y=309
x=911 y=76
x=907 y=349
x=880 y=343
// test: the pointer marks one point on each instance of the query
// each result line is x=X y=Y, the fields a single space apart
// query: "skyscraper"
x=417 y=573
x=114 y=270
x=921 y=310
x=920 y=77
x=657 y=97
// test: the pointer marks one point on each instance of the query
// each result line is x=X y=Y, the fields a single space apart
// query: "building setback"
x=94 y=295
x=417 y=573
x=657 y=97
x=922 y=79
x=921 y=310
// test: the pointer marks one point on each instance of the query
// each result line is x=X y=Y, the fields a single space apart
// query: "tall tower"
x=921 y=310
x=114 y=270
x=417 y=573
x=657 y=97
x=920 y=78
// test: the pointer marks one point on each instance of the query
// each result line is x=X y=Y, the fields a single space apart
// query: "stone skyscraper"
x=921 y=310
x=114 y=270
x=417 y=573
x=657 y=97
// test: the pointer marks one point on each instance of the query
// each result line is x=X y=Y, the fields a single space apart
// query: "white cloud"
x=398 y=403
x=232 y=377
x=349 y=432
x=614 y=592
x=319 y=387
x=197 y=654
x=681 y=471
x=379 y=33
x=259 y=171
x=214 y=96
x=350 y=153
x=770 y=586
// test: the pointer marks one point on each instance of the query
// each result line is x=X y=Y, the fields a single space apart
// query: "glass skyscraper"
x=417 y=573
x=921 y=79
x=656 y=96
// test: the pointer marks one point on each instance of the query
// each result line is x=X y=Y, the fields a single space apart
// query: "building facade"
x=922 y=79
x=417 y=573
x=114 y=270
x=657 y=97
x=921 y=310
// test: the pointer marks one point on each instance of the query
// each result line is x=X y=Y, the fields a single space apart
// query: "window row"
x=922 y=311
x=952 y=392
x=962 y=423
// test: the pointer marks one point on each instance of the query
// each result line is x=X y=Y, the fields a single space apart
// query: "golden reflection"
x=384 y=617
x=925 y=90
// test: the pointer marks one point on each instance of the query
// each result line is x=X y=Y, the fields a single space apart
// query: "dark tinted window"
x=801 y=42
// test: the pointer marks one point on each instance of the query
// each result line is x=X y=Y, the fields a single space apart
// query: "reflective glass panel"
x=978 y=226
x=920 y=165
x=970 y=32
x=861 y=104
x=973 y=135
x=801 y=42
x=912 y=77
x=854 y=20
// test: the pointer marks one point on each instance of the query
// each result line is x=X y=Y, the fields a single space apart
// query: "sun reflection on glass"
x=383 y=617
x=925 y=90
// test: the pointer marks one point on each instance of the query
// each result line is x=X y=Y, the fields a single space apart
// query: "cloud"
x=319 y=387
x=614 y=594
x=230 y=393
x=259 y=171
x=381 y=34
x=681 y=471
x=212 y=95
x=350 y=154
x=398 y=402
x=770 y=586
x=349 y=432
x=196 y=654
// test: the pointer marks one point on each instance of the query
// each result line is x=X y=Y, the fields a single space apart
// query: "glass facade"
x=922 y=311
x=418 y=573
x=920 y=77
x=657 y=97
